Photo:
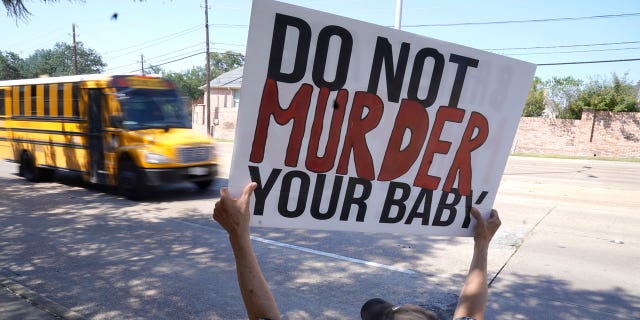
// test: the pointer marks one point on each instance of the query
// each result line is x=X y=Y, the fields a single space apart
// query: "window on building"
x=236 y=98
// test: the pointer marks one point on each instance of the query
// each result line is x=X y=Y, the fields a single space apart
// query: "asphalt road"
x=568 y=249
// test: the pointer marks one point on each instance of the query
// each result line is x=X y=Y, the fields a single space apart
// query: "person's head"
x=378 y=309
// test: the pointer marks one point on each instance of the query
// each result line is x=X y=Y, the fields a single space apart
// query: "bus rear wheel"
x=131 y=182
x=28 y=168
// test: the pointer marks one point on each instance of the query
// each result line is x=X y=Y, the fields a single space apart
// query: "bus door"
x=96 y=146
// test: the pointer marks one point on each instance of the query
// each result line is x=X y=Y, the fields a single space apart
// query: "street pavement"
x=568 y=249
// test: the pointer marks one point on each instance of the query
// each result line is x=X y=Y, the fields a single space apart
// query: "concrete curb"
x=39 y=301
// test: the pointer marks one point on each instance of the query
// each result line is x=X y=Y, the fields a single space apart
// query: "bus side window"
x=46 y=99
x=3 y=109
x=34 y=100
x=75 y=100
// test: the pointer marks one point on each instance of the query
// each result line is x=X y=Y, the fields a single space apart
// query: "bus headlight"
x=155 y=158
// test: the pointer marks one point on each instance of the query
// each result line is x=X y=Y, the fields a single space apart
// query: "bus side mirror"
x=116 y=120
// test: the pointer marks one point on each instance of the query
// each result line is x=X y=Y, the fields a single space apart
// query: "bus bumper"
x=157 y=177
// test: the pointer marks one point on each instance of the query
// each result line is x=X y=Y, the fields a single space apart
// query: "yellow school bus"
x=122 y=130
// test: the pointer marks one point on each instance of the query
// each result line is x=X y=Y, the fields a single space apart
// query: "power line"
x=572 y=51
x=226 y=25
x=153 y=41
x=564 y=46
x=189 y=56
x=190 y=53
x=587 y=62
x=183 y=49
x=606 y=16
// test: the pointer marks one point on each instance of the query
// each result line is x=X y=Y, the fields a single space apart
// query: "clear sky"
x=171 y=33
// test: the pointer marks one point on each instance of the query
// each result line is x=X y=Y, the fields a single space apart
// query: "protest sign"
x=346 y=125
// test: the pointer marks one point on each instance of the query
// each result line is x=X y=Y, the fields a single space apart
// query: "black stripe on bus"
x=21 y=99
x=69 y=133
x=34 y=100
x=48 y=119
x=46 y=100
x=75 y=92
x=60 y=99
x=2 y=107
x=49 y=143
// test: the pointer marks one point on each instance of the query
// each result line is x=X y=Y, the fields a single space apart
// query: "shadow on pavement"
x=542 y=297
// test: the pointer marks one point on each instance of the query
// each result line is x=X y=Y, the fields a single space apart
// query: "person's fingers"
x=224 y=192
x=493 y=214
x=219 y=209
x=494 y=218
x=476 y=214
x=248 y=189
x=216 y=207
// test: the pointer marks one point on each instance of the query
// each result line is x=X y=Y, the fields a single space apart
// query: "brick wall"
x=226 y=128
x=611 y=134
x=600 y=133
x=227 y=115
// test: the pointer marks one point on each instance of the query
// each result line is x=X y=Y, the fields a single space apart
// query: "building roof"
x=231 y=79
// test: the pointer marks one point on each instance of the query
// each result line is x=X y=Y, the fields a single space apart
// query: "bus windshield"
x=150 y=108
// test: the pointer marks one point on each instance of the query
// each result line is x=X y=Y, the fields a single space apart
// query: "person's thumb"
x=476 y=214
x=224 y=193
x=248 y=189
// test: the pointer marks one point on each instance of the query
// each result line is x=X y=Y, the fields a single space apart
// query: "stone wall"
x=600 y=134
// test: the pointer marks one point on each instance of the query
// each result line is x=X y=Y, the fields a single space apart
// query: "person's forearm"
x=256 y=294
x=473 y=297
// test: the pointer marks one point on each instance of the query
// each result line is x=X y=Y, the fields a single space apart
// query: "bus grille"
x=194 y=154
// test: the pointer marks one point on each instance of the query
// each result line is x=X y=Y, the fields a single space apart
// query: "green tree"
x=535 y=100
x=189 y=82
x=59 y=61
x=10 y=65
x=223 y=62
x=562 y=93
x=615 y=94
x=17 y=9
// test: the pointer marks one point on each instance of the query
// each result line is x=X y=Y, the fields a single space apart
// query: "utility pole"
x=75 y=50
x=398 y=25
x=142 y=63
x=208 y=66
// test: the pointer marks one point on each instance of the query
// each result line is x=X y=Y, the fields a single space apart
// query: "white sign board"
x=346 y=125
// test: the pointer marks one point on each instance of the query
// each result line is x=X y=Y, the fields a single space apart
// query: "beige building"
x=225 y=98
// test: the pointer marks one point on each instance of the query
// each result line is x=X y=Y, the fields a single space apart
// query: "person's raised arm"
x=233 y=215
x=473 y=297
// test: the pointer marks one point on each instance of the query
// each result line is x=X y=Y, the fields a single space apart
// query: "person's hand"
x=233 y=214
x=485 y=229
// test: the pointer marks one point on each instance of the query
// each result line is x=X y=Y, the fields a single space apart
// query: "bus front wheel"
x=203 y=185
x=131 y=180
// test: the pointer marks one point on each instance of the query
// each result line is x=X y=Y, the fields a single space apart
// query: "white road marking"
x=312 y=251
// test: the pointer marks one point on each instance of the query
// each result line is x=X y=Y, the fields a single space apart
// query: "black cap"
x=379 y=309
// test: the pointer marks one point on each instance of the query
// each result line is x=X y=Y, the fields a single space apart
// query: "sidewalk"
x=14 y=307
x=20 y=303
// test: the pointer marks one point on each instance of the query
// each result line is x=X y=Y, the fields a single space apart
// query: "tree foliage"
x=224 y=62
x=17 y=9
x=53 y=62
x=562 y=92
x=189 y=82
x=10 y=65
x=59 y=61
x=617 y=94
x=534 y=107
